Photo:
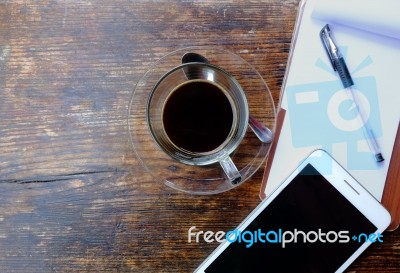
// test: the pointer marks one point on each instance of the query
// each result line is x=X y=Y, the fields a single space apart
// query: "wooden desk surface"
x=73 y=197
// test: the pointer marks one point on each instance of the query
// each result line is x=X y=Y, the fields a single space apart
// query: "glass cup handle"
x=231 y=171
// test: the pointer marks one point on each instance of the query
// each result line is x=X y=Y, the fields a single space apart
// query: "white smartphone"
x=320 y=219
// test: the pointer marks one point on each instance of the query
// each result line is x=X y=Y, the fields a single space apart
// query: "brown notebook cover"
x=391 y=192
x=279 y=123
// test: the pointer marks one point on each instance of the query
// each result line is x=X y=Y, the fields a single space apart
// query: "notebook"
x=313 y=105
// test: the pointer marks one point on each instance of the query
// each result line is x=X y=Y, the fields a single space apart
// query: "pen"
x=340 y=66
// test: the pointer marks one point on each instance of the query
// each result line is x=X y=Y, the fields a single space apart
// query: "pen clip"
x=329 y=45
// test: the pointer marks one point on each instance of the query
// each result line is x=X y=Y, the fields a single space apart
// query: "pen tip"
x=379 y=157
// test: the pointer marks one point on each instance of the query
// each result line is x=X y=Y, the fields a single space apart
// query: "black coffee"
x=198 y=116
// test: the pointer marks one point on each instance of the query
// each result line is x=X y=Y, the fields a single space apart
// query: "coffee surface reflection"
x=198 y=116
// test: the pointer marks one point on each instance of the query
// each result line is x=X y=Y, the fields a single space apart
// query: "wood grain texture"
x=73 y=196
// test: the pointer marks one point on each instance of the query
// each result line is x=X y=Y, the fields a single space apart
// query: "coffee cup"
x=198 y=114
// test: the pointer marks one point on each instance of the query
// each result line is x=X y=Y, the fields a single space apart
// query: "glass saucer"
x=210 y=179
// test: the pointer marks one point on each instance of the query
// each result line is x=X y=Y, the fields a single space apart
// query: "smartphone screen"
x=309 y=205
